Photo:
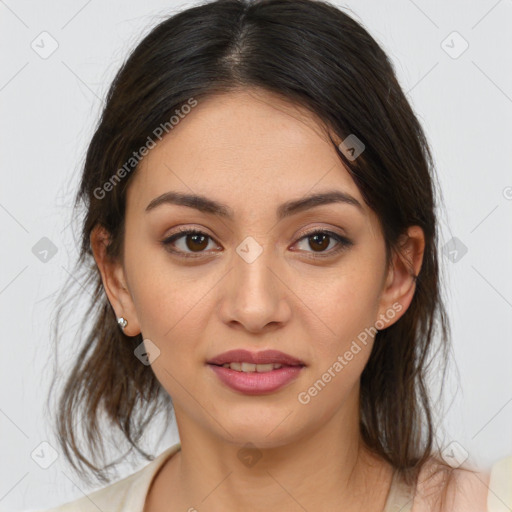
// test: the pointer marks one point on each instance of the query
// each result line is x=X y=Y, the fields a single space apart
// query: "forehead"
x=247 y=148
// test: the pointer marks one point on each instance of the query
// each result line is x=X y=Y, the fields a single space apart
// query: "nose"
x=255 y=295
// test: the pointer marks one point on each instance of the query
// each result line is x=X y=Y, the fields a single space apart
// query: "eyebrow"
x=209 y=206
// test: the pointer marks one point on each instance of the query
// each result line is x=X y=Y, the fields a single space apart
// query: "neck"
x=317 y=471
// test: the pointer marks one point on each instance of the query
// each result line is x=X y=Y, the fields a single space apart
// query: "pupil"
x=195 y=237
x=322 y=243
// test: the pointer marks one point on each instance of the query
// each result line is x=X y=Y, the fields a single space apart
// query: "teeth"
x=251 y=368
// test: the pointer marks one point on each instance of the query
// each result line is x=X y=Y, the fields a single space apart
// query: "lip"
x=263 y=357
x=254 y=383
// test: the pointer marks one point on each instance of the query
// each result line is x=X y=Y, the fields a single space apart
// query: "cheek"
x=348 y=302
x=349 y=310
x=172 y=314
x=164 y=296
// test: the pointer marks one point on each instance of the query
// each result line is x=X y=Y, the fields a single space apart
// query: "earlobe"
x=114 y=281
x=401 y=277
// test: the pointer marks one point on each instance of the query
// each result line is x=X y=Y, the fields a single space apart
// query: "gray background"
x=50 y=105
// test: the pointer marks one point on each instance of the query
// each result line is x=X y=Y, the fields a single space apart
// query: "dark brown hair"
x=316 y=56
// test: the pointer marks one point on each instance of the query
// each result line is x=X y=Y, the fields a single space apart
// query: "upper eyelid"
x=313 y=230
x=317 y=229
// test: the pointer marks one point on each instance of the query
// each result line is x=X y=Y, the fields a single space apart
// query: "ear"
x=114 y=281
x=400 y=281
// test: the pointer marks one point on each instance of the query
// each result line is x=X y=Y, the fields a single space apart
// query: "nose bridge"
x=255 y=296
x=253 y=265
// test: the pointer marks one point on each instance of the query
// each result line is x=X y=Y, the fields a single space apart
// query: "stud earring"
x=122 y=322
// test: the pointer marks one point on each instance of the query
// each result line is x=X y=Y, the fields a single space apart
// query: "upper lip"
x=263 y=357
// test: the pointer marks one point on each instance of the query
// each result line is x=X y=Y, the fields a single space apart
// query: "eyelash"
x=343 y=242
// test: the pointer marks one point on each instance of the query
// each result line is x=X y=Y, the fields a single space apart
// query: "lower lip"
x=254 y=383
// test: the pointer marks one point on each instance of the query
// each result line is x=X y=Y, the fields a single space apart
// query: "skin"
x=253 y=151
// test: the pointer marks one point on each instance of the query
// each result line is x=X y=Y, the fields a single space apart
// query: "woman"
x=260 y=230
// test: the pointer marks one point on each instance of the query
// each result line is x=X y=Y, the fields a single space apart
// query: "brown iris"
x=199 y=242
x=324 y=240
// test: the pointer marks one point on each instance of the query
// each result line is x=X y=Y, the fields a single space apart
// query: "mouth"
x=253 y=368
x=255 y=373
x=245 y=360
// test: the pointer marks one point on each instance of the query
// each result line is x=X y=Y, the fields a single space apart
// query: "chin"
x=264 y=433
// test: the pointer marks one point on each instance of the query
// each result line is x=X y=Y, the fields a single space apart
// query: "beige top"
x=129 y=494
x=400 y=497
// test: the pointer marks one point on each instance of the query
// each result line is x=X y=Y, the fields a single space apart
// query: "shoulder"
x=500 y=486
x=127 y=494
x=443 y=488
x=108 y=498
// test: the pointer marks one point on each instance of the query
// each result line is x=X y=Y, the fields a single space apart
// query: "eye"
x=196 y=242
x=321 y=239
x=193 y=240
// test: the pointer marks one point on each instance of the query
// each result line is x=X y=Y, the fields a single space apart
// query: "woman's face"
x=254 y=280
